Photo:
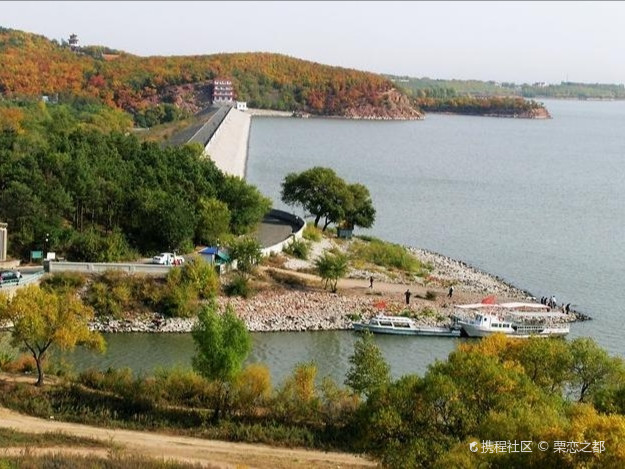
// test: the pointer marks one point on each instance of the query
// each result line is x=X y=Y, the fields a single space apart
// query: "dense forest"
x=73 y=173
x=32 y=65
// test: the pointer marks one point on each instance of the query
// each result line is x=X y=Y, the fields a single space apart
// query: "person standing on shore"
x=451 y=292
x=371 y=282
x=408 y=295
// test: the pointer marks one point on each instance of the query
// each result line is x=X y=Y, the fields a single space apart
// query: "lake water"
x=539 y=203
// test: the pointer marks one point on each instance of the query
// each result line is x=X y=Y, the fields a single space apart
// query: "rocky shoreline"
x=298 y=310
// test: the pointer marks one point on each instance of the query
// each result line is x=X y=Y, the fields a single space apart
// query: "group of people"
x=551 y=303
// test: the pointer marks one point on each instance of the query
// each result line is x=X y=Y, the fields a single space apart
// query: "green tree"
x=592 y=368
x=247 y=205
x=213 y=221
x=247 y=252
x=359 y=210
x=222 y=343
x=319 y=191
x=331 y=267
x=368 y=371
x=42 y=318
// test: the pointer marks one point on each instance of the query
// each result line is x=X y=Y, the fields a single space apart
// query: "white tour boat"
x=513 y=319
x=403 y=326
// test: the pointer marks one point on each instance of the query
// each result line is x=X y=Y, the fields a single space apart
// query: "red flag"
x=379 y=304
x=489 y=300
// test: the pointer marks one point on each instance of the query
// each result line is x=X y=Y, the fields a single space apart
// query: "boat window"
x=402 y=324
x=386 y=323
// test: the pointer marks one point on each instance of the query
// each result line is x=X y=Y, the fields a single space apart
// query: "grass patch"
x=112 y=461
x=274 y=260
x=239 y=286
x=385 y=254
x=311 y=233
x=287 y=279
x=10 y=437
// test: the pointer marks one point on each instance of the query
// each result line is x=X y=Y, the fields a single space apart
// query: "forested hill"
x=33 y=65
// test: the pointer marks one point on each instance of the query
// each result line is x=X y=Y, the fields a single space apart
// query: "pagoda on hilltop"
x=223 y=92
x=73 y=41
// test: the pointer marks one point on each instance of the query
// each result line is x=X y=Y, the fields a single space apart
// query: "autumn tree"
x=43 y=318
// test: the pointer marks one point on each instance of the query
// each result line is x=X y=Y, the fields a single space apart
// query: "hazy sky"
x=503 y=41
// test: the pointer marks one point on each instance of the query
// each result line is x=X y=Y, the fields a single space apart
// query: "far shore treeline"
x=155 y=90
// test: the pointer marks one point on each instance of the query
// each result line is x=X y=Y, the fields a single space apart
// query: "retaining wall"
x=296 y=222
x=99 y=267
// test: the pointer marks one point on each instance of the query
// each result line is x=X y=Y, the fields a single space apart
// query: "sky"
x=522 y=42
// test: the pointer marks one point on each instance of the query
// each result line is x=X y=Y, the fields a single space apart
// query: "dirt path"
x=358 y=286
x=214 y=453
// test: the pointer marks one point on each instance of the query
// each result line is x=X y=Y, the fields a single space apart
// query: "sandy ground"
x=228 y=147
x=211 y=452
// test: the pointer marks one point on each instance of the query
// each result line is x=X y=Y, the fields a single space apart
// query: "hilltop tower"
x=73 y=41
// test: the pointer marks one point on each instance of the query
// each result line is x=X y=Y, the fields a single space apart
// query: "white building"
x=241 y=106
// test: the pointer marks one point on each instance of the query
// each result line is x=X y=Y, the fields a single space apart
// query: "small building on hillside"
x=223 y=91
x=219 y=258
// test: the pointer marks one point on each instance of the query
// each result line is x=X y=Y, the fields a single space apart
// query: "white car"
x=168 y=258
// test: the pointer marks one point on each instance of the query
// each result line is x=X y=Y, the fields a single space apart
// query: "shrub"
x=297 y=398
x=179 y=301
x=201 y=275
x=286 y=278
x=252 y=387
x=239 y=286
x=311 y=233
x=385 y=255
x=298 y=248
x=7 y=352
x=64 y=282
x=430 y=295
x=184 y=387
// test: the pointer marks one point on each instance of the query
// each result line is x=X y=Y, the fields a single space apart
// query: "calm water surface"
x=539 y=203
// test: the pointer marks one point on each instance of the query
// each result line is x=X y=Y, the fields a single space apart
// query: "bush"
x=385 y=255
x=430 y=295
x=239 y=286
x=184 y=387
x=201 y=275
x=252 y=387
x=286 y=278
x=64 y=282
x=298 y=248
x=179 y=300
x=311 y=233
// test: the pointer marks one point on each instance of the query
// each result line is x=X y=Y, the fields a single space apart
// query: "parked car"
x=168 y=258
x=10 y=276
